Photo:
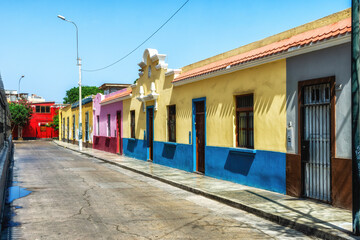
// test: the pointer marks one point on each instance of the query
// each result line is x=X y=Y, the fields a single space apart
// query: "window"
x=172 y=123
x=42 y=109
x=63 y=128
x=132 y=124
x=73 y=128
x=86 y=126
x=149 y=72
x=97 y=125
x=108 y=125
x=245 y=121
x=68 y=128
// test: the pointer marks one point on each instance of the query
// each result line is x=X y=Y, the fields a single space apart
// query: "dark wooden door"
x=118 y=128
x=151 y=133
x=200 y=136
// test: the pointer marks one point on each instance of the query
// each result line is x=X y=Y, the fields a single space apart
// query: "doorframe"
x=194 y=130
x=119 y=132
x=301 y=85
x=147 y=132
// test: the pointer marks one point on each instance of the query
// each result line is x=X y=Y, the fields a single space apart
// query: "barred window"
x=245 y=121
x=172 y=123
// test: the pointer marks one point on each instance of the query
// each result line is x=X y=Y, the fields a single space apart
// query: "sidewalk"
x=316 y=219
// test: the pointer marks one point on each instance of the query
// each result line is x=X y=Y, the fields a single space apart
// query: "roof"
x=83 y=101
x=312 y=36
x=105 y=85
x=42 y=103
x=118 y=96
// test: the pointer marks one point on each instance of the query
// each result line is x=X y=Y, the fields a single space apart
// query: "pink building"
x=108 y=120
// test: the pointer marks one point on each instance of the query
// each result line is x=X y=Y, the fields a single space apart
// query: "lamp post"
x=78 y=63
x=19 y=86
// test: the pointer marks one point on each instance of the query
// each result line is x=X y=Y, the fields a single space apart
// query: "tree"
x=55 y=123
x=72 y=95
x=21 y=113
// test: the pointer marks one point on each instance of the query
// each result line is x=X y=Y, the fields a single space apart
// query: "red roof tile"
x=125 y=93
x=318 y=34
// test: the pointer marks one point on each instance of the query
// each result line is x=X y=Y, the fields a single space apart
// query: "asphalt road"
x=77 y=197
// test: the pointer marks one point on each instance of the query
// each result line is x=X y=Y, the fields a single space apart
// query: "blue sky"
x=35 y=43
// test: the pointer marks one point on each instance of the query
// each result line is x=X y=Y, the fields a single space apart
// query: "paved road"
x=77 y=197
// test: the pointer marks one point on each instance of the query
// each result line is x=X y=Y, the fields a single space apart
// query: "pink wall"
x=102 y=111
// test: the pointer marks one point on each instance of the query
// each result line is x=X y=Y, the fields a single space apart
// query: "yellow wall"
x=157 y=76
x=267 y=82
x=63 y=114
x=69 y=112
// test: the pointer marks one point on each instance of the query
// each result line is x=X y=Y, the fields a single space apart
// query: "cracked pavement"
x=78 y=197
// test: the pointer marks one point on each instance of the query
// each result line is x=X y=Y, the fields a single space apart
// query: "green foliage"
x=20 y=113
x=72 y=95
x=55 y=123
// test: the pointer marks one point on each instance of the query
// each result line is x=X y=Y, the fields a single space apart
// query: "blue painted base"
x=256 y=168
x=174 y=155
x=135 y=148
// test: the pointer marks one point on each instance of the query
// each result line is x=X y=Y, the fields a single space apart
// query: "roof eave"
x=334 y=41
x=116 y=100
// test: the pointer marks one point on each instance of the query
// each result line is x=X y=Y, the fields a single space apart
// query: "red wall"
x=108 y=144
x=32 y=129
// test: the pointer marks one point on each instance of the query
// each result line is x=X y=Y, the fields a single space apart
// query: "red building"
x=42 y=116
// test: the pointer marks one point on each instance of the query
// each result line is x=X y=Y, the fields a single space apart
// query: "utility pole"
x=355 y=97
x=78 y=63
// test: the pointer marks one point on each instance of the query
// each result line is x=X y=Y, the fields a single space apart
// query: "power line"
x=147 y=39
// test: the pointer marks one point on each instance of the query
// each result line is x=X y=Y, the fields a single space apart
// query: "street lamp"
x=78 y=64
x=19 y=86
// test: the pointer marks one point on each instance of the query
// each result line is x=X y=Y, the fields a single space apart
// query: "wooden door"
x=118 y=127
x=150 y=132
x=200 y=136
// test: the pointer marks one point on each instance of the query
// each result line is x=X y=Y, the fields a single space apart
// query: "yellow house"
x=227 y=116
x=201 y=126
x=69 y=122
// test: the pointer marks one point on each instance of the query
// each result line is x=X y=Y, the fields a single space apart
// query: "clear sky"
x=35 y=43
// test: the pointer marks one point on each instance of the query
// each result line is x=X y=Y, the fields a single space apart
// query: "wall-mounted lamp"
x=338 y=87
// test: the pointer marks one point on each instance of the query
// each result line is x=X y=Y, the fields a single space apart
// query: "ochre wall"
x=157 y=76
x=268 y=84
x=69 y=112
x=63 y=114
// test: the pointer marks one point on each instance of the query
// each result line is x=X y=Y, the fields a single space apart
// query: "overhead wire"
x=142 y=43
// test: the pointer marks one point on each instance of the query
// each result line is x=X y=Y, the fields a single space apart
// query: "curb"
x=283 y=221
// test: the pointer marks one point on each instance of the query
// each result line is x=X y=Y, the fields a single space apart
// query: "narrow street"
x=77 y=197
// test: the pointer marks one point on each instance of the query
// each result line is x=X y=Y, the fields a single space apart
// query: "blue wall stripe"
x=256 y=168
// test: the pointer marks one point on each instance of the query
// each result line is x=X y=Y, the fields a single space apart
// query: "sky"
x=37 y=44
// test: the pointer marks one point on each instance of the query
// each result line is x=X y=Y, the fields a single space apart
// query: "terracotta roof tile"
x=318 y=34
x=124 y=93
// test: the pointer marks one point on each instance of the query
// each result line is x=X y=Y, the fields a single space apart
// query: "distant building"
x=12 y=96
x=113 y=87
x=33 y=98
x=69 y=122
x=38 y=126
